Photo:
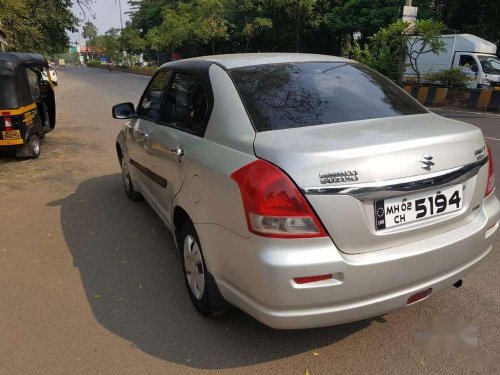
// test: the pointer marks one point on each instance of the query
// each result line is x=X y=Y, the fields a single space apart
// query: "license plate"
x=406 y=209
x=496 y=87
x=11 y=134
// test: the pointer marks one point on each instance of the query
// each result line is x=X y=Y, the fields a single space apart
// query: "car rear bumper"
x=256 y=274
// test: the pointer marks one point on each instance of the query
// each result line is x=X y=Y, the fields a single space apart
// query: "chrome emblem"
x=340 y=176
x=427 y=162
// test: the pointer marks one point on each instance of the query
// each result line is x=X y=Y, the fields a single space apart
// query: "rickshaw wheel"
x=34 y=146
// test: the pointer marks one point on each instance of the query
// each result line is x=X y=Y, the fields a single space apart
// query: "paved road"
x=91 y=283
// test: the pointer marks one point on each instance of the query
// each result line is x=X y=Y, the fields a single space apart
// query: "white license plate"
x=406 y=209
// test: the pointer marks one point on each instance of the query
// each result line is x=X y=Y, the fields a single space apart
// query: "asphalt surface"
x=90 y=282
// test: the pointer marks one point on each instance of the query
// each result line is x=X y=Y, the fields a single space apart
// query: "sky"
x=103 y=13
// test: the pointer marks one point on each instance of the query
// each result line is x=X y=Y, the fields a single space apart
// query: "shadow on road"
x=132 y=277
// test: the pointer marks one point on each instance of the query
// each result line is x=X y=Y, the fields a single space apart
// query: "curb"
x=427 y=95
x=485 y=100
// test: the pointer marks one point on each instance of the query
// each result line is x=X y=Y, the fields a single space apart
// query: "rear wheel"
x=132 y=194
x=201 y=285
x=34 y=146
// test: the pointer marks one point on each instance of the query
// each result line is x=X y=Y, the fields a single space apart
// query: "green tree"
x=302 y=12
x=425 y=40
x=38 y=25
x=89 y=31
x=132 y=40
x=175 y=29
x=211 y=23
x=146 y=14
x=108 y=44
x=361 y=17
x=398 y=39
x=248 y=19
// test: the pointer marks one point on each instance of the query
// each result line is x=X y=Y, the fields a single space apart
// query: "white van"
x=474 y=55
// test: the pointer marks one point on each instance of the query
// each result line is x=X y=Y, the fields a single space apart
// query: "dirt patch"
x=59 y=162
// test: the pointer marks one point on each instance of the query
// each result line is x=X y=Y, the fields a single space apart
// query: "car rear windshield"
x=294 y=95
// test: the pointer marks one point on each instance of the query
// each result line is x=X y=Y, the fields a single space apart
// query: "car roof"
x=239 y=60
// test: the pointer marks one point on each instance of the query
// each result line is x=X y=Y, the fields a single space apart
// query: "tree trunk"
x=417 y=71
x=213 y=47
x=247 y=44
x=352 y=44
x=401 y=64
x=297 y=34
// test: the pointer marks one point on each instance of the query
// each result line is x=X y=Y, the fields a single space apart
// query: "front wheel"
x=132 y=194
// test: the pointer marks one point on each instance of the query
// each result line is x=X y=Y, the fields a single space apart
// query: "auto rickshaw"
x=27 y=103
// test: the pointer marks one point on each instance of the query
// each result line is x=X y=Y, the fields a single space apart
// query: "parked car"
x=473 y=55
x=307 y=190
x=51 y=72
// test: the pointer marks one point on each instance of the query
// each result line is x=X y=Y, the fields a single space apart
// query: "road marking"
x=493 y=139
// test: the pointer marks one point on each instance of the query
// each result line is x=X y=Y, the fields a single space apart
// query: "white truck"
x=473 y=55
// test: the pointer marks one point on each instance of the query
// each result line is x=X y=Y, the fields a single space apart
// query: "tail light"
x=312 y=279
x=7 y=123
x=273 y=205
x=491 y=174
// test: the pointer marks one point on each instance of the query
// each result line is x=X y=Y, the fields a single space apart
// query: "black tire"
x=210 y=300
x=34 y=146
x=132 y=194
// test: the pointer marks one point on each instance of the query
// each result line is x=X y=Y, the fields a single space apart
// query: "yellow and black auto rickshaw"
x=27 y=103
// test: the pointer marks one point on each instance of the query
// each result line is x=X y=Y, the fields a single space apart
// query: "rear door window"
x=185 y=104
x=149 y=106
x=293 y=95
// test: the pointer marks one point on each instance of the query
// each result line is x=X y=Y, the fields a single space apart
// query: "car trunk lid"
x=376 y=152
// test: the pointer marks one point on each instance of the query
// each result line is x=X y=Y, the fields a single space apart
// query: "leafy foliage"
x=368 y=30
x=427 y=40
x=108 y=44
x=38 y=25
x=387 y=45
x=89 y=31
x=452 y=78
x=380 y=57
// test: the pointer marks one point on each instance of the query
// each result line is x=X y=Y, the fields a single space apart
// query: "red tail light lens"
x=491 y=174
x=273 y=205
x=312 y=279
x=7 y=123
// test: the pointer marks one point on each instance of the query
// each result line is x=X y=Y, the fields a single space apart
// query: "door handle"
x=178 y=152
x=144 y=135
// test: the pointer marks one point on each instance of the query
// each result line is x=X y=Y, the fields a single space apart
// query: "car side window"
x=468 y=62
x=149 y=106
x=185 y=104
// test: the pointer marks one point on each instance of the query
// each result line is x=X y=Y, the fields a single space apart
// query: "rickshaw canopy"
x=14 y=85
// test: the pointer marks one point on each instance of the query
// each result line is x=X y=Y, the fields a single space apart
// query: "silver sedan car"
x=307 y=190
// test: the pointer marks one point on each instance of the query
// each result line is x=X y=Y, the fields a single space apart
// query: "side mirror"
x=123 y=111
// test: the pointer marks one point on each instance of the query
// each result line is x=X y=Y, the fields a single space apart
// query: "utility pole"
x=124 y=53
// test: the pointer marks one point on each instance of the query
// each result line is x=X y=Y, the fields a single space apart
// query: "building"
x=3 y=39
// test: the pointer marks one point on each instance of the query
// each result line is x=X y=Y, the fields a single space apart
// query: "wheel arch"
x=119 y=151
x=179 y=218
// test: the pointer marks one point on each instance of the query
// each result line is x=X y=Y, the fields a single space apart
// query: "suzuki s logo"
x=426 y=161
